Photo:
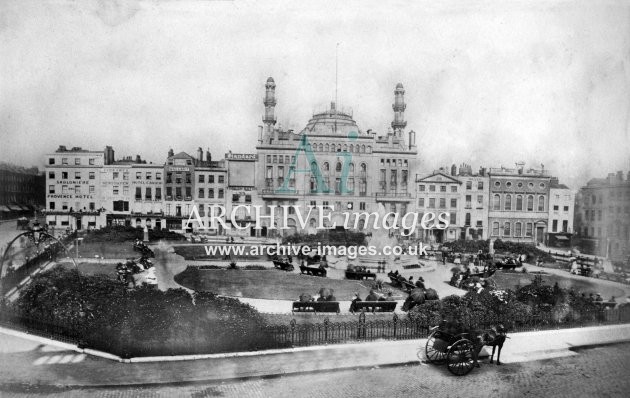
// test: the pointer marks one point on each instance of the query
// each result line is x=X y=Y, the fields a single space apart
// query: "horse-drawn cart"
x=283 y=265
x=460 y=350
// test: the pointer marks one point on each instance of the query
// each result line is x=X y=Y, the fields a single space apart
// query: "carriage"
x=466 y=280
x=141 y=247
x=283 y=265
x=460 y=349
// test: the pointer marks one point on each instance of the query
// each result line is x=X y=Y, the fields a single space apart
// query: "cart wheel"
x=459 y=359
x=433 y=355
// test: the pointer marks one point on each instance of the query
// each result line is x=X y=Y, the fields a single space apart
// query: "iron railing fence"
x=125 y=344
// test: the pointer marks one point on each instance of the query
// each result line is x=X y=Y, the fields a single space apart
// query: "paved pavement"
x=23 y=363
x=590 y=372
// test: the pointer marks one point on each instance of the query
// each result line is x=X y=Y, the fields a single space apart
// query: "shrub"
x=119 y=233
x=143 y=321
x=468 y=246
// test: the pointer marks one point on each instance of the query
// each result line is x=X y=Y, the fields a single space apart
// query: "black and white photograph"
x=238 y=198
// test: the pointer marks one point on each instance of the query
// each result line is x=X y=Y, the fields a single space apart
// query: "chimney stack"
x=199 y=155
x=171 y=153
x=208 y=156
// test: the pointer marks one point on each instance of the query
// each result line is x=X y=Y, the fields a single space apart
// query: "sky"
x=488 y=83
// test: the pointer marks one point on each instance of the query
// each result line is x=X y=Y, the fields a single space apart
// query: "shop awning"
x=24 y=207
x=561 y=237
x=14 y=207
x=4 y=208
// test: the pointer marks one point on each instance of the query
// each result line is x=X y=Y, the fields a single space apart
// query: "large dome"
x=332 y=121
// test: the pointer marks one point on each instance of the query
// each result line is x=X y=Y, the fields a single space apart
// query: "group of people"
x=125 y=271
x=395 y=276
x=372 y=296
x=322 y=295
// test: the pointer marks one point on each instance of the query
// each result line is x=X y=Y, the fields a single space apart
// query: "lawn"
x=198 y=252
x=509 y=280
x=112 y=250
x=269 y=284
x=93 y=268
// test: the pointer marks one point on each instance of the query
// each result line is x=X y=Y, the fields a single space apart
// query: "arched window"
x=321 y=147
x=506 y=229
x=508 y=202
x=312 y=223
x=345 y=147
x=338 y=167
x=369 y=149
x=357 y=148
x=519 y=202
x=363 y=168
x=351 y=168
x=495 y=228
x=363 y=148
x=351 y=147
x=541 y=203
x=326 y=148
x=530 y=203
x=496 y=202
x=326 y=166
x=518 y=229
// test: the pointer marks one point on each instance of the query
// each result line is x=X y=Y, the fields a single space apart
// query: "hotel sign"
x=242 y=156
x=178 y=168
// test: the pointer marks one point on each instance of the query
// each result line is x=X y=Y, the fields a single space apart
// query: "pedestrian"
x=353 y=304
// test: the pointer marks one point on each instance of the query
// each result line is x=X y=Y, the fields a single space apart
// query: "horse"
x=419 y=296
x=494 y=337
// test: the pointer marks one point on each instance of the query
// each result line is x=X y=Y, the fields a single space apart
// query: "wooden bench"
x=384 y=306
x=360 y=275
x=315 y=271
x=315 y=306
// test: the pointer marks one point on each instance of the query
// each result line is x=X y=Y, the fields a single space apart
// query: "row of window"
x=394 y=162
x=210 y=178
x=557 y=208
x=554 y=226
x=280 y=159
x=506 y=203
x=513 y=229
x=180 y=178
x=77 y=161
x=453 y=202
x=65 y=175
x=508 y=184
x=433 y=188
x=353 y=148
x=201 y=192
x=393 y=177
x=65 y=206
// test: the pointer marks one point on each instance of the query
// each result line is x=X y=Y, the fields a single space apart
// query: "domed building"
x=333 y=162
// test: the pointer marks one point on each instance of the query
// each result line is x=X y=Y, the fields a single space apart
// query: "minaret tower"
x=270 y=103
x=399 y=106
